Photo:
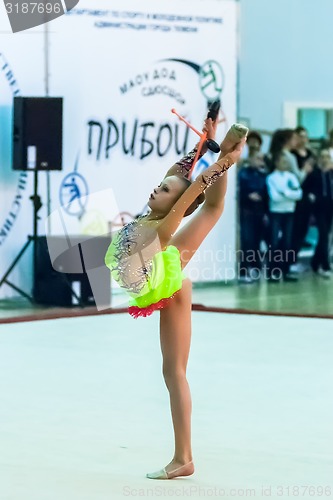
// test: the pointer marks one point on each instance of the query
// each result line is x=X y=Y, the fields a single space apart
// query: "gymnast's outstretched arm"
x=182 y=167
x=172 y=220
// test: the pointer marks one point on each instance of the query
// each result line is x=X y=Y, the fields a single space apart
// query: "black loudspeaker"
x=49 y=287
x=84 y=262
x=37 y=133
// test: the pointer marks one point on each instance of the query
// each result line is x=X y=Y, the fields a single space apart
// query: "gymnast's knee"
x=172 y=374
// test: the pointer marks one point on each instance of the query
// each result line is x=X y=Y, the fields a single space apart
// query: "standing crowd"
x=279 y=194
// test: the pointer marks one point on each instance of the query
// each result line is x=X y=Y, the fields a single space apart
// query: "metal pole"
x=46 y=91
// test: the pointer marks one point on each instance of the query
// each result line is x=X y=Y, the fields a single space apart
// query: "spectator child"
x=284 y=191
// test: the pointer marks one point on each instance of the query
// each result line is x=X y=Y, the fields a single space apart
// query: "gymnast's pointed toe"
x=159 y=474
x=240 y=129
x=183 y=470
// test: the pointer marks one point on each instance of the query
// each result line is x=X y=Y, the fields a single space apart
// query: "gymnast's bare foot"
x=235 y=134
x=172 y=470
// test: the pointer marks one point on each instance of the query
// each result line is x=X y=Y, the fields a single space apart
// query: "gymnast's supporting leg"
x=175 y=338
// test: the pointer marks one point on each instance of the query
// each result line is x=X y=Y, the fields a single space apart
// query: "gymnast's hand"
x=210 y=128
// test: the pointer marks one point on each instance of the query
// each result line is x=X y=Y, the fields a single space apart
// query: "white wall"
x=285 y=55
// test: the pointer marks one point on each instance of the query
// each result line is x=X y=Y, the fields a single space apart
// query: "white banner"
x=121 y=69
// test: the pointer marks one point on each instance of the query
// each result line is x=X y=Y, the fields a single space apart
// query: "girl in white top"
x=283 y=191
x=283 y=186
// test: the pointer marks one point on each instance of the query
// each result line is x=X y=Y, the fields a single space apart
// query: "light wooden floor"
x=85 y=413
x=312 y=295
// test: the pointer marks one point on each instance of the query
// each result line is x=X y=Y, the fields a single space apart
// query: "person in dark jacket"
x=253 y=206
x=303 y=212
x=302 y=151
x=319 y=189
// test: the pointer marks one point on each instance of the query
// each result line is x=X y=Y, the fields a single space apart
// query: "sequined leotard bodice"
x=128 y=258
x=149 y=275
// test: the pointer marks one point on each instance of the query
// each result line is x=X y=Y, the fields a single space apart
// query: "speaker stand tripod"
x=37 y=205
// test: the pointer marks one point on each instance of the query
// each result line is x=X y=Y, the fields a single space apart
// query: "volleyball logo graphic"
x=211 y=80
x=26 y=15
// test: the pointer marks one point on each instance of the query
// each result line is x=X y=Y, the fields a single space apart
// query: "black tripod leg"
x=4 y=278
x=24 y=294
x=9 y=270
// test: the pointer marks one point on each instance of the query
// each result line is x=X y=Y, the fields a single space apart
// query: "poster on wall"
x=121 y=67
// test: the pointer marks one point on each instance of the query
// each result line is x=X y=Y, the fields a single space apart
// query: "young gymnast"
x=147 y=259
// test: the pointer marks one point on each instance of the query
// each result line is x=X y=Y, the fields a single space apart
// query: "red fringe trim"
x=142 y=312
